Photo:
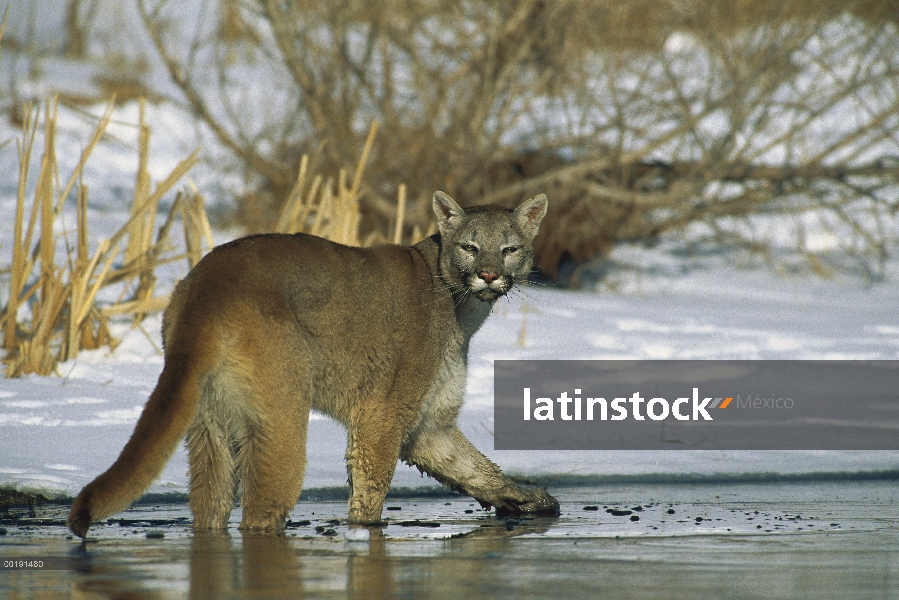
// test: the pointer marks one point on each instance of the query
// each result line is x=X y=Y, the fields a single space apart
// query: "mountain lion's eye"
x=509 y=250
x=469 y=248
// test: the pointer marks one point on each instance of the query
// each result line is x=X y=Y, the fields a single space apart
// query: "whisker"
x=464 y=296
x=525 y=293
x=536 y=283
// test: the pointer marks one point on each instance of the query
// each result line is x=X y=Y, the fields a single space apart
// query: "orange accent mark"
x=725 y=403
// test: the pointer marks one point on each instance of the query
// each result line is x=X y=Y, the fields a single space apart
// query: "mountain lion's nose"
x=488 y=277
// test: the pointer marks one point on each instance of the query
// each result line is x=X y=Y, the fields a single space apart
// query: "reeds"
x=62 y=295
x=60 y=290
x=330 y=208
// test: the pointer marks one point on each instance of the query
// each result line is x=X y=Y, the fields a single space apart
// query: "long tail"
x=162 y=425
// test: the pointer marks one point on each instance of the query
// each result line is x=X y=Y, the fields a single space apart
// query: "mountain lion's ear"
x=449 y=214
x=529 y=214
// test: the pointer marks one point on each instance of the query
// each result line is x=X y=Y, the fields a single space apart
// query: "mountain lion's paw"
x=540 y=503
x=532 y=501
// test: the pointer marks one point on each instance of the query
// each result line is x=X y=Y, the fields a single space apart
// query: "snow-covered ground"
x=57 y=433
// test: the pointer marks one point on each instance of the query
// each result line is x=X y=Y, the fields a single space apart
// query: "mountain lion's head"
x=486 y=249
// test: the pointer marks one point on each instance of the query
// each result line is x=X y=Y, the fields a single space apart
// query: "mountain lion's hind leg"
x=268 y=419
x=211 y=474
x=272 y=461
x=447 y=456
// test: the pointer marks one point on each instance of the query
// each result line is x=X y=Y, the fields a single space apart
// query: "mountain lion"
x=268 y=327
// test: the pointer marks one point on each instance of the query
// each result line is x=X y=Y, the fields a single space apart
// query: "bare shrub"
x=637 y=119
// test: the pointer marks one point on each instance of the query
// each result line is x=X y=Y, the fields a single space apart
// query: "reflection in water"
x=213 y=568
x=216 y=565
x=101 y=577
x=368 y=568
x=369 y=573
x=271 y=567
x=262 y=565
x=289 y=567
x=490 y=560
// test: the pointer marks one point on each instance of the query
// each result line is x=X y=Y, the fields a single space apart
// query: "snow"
x=57 y=433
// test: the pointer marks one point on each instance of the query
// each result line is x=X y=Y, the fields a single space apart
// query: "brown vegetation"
x=636 y=119
x=62 y=299
x=66 y=315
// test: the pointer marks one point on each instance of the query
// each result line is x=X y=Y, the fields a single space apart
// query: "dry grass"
x=62 y=297
x=330 y=207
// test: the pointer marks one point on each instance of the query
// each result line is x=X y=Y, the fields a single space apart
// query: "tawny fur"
x=266 y=328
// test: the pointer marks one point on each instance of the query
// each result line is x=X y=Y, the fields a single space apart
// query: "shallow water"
x=822 y=540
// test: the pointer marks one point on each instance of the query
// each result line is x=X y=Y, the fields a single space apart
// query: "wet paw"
x=79 y=522
x=535 y=501
x=540 y=503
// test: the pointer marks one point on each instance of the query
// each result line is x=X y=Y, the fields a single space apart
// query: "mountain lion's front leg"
x=447 y=456
x=372 y=451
